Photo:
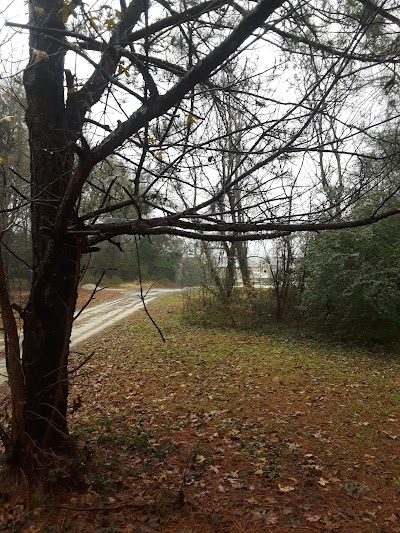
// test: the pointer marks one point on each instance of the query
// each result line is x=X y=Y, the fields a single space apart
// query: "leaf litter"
x=224 y=431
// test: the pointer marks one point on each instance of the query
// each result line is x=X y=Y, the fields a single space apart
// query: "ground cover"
x=222 y=431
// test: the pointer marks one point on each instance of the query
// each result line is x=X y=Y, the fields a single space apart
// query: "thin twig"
x=96 y=289
x=143 y=296
x=81 y=364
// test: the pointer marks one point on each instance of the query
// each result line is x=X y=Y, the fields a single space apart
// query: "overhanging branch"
x=222 y=231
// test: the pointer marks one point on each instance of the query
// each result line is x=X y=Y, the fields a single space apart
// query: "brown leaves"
x=250 y=452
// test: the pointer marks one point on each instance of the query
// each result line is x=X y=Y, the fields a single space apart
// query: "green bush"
x=352 y=283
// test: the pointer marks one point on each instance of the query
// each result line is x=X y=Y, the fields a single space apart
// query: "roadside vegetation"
x=221 y=430
x=342 y=285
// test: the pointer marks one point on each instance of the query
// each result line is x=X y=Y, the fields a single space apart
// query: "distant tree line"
x=158 y=258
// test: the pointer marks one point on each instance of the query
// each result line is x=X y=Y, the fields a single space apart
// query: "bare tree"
x=151 y=99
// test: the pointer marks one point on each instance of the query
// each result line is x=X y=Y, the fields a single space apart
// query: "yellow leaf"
x=122 y=69
x=40 y=55
x=1 y=160
x=163 y=477
x=191 y=119
x=285 y=488
x=259 y=472
x=110 y=24
x=159 y=155
x=119 y=13
x=39 y=10
x=200 y=458
x=323 y=482
x=67 y=10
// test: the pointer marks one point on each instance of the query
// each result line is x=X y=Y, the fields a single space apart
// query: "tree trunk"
x=241 y=251
x=230 y=271
x=56 y=256
x=13 y=363
x=215 y=276
x=47 y=329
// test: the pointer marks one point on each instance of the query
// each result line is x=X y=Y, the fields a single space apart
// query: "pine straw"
x=223 y=431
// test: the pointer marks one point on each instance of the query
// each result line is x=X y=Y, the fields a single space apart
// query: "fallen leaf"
x=285 y=488
x=354 y=490
x=313 y=518
x=287 y=511
x=390 y=435
x=271 y=518
x=293 y=446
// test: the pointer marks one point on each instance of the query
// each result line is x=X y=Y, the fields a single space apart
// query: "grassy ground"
x=223 y=431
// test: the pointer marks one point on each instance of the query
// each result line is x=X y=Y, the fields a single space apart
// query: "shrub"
x=352 y=283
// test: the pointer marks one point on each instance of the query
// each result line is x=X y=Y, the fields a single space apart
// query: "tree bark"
x=241 y=251
x=56 y=256
x=230 y=270
x=13 y=361
x=47 y=329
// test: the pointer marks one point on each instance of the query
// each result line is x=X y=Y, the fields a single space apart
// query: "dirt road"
x=98 y=317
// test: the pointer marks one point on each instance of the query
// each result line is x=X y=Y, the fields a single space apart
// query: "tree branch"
x=229 y=231
x=199 y=73
x=380 y=11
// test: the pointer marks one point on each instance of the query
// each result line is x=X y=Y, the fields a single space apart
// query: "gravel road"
x=98 y=317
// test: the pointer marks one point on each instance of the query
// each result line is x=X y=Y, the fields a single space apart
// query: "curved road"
x=98 y=317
